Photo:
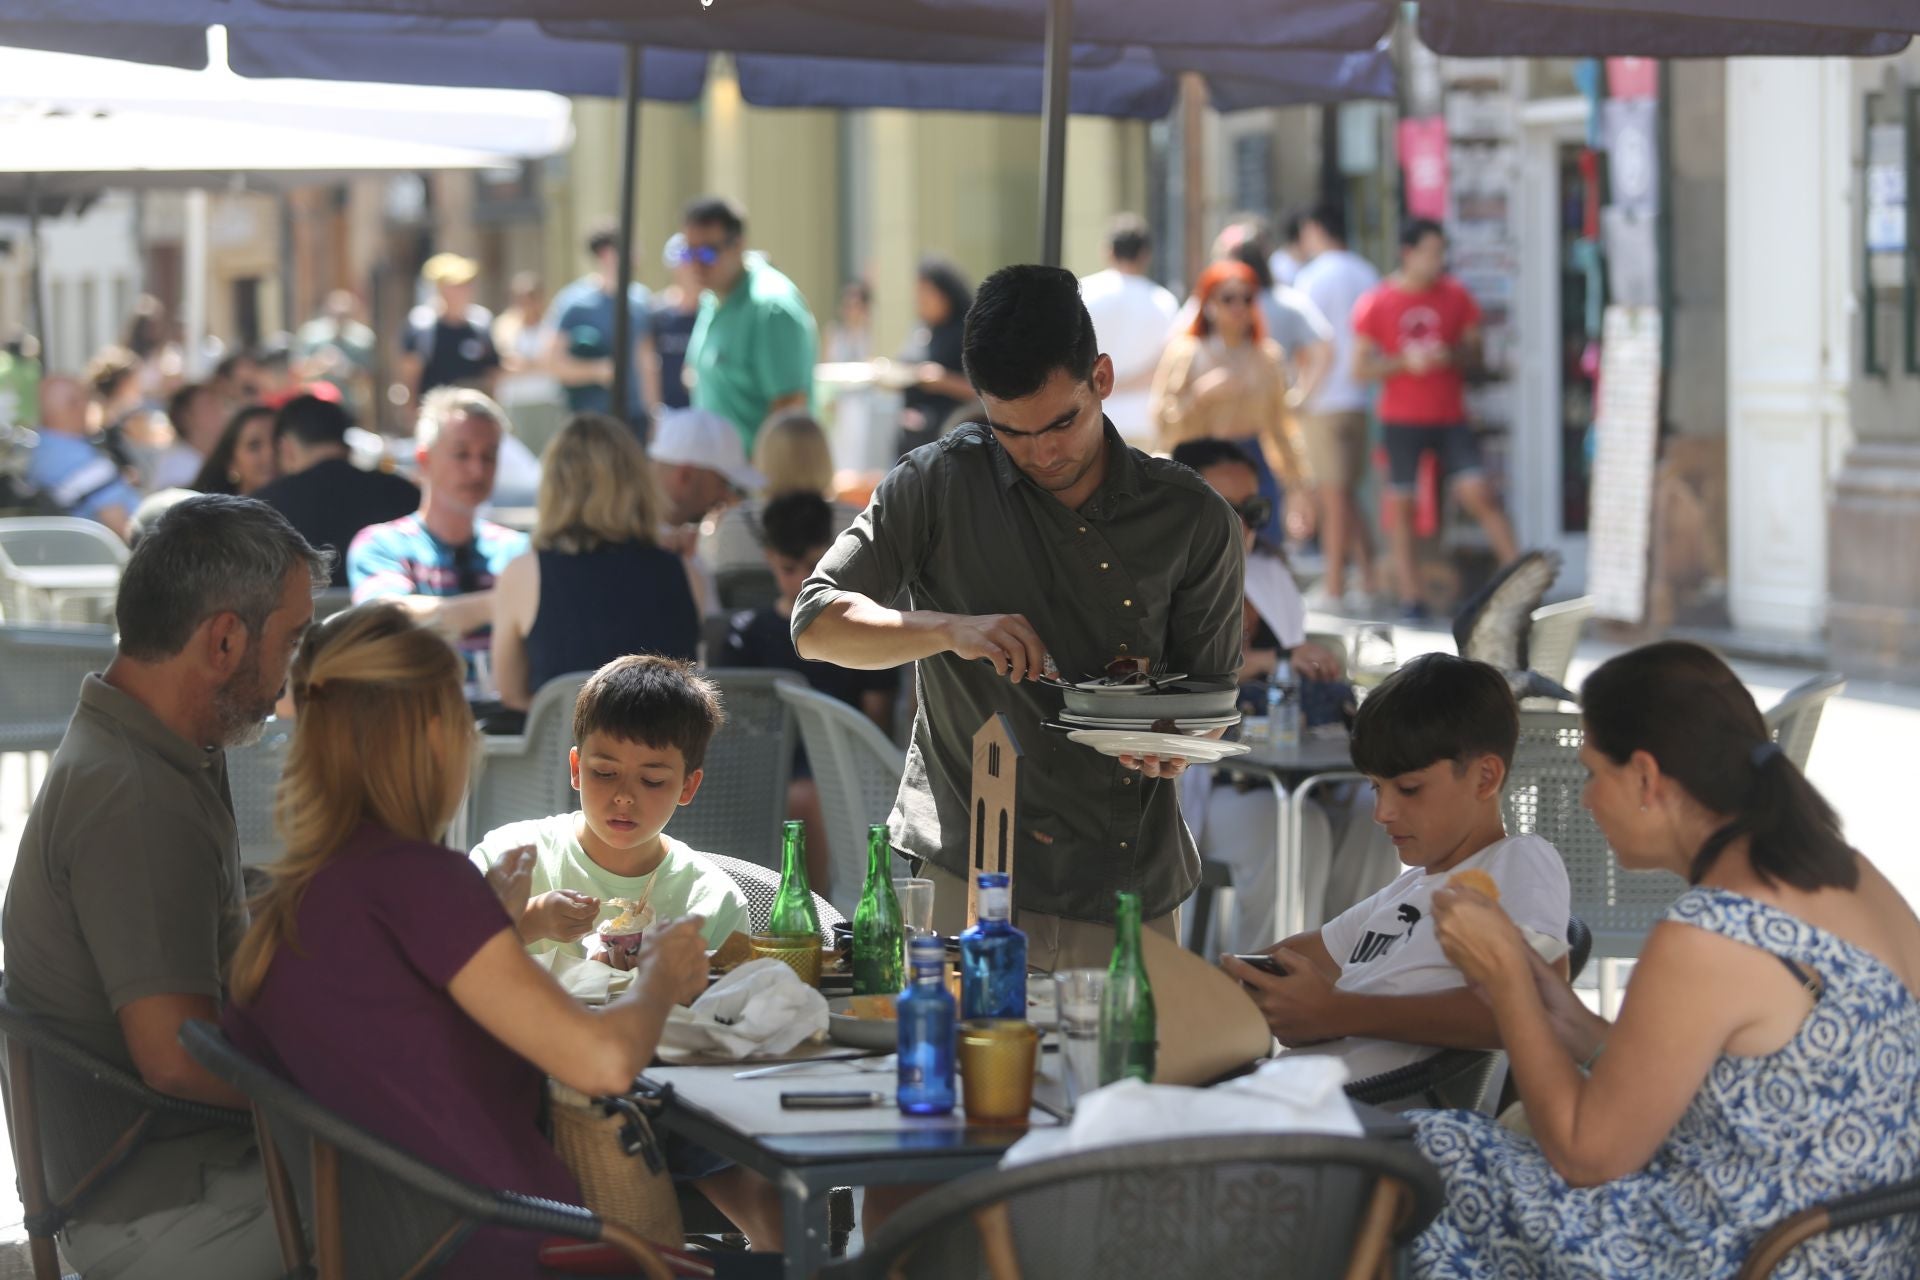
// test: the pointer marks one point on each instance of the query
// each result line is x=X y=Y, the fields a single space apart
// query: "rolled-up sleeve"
x=880 y=553
x=1204 y=624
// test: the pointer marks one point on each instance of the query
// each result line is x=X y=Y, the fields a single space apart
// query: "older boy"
x=640 y=729
x=1436 y=739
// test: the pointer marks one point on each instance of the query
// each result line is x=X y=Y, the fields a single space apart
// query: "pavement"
x=1859 y=763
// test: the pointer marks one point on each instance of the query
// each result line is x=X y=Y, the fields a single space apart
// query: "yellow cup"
x=998 y=1057
x=798 y=951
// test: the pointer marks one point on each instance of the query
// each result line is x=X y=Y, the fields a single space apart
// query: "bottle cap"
x=994 y=880
x=927 y=948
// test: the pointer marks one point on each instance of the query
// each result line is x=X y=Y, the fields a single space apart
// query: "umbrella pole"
x=1053 y=143
x=34 y=279
x=623 y=370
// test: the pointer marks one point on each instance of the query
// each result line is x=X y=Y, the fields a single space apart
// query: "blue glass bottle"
x=993 y=956
x=926 y=1032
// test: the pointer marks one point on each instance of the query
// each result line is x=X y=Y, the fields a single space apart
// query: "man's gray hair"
x=207 y=555
x=443 y=404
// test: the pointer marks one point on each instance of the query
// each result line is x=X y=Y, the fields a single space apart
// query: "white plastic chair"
x=520 y=776
x=253 y=777
x=33 y=552
x=857 y=769
x=1795 y=719
x=40 y=673
x=743 y=797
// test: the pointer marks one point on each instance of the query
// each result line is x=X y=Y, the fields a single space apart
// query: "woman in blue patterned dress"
x=1767 y=1053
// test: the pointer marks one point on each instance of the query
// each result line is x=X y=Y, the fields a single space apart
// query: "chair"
x=1555 y=635
x=857 y=769
x=525 y=775
x=760 y=886
x=1796 y=717
x=1543 y=799
x=1862 y=1207
x=331 y=600
x=1215 y=1208
x=253 y=776
x=377 y=1213
x=43 y=669
x=49 y=542
x=743 y=798
x=74 y=1118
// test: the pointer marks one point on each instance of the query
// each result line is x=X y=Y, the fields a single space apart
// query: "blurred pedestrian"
x=791 y=456
x=198 y=417
x=336 y=348
x=676 y=309
x=940 y=301
x=127 y=425
x=850 y=336
x=244 y=460
x=1132 y=320
x=320 y=491
x=576 y=340
x=70 y=466
x=1417 y=334
x=517 y=336
x=449 y=339
x=1223 y=379
x=754 y=346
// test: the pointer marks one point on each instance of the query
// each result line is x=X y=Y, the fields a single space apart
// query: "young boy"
x=640 y=729
x=1436 y=739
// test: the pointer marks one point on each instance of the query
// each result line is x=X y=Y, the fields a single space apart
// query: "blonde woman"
x=383 y=973
x=596 y=584
x=792 y=453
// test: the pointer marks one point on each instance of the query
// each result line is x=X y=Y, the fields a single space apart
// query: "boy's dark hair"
x=643 y=697
x=1436 y=707
x=1255 y=256
x=1210 y=452
x=312 y=421
x=1419 y=229
x=1026 y=322
x=796 y=524
x=1332 y=218
x=1128 y=239
x=603 y=234
x=715 y=211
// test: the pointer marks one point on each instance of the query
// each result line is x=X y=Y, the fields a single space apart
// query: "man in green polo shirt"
x=754 y=346
x=126 y=902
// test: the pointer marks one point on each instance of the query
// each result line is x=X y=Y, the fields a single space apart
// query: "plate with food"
x=1160 y=724
x=1133 y=742
x=863 y=1022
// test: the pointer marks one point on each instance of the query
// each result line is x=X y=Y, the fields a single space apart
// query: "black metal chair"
x=375 y=1212
x=1216 y=1208
x=74 y=1120
x=1459 y=1078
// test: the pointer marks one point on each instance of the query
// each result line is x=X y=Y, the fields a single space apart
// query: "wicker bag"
x=613 y=1153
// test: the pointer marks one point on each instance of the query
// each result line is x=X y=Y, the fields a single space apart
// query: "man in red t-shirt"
x=1414 y=334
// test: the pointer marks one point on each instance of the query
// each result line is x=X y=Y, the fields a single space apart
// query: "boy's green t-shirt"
x=684 y=883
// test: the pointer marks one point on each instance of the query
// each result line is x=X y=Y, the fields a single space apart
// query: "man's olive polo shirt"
x=1149 y=567
x=127 y=885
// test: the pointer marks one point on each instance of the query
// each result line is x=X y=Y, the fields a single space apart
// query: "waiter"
x=1039 y=533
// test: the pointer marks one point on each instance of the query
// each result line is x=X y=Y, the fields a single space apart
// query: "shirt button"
x=1126 y=782
x=1127 y=603
x=1123 y=844
x=1123 y=648
x=1083 y=528
x=1103 y=564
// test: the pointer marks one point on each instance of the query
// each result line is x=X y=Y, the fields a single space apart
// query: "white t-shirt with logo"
x=1385 y=946
x=1335 y=281
x=1132 y=319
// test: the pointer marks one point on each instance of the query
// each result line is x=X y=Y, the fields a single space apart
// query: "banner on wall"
x=1423 y=164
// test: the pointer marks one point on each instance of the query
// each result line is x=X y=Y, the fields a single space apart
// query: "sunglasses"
x=1233 y=299
x=1255 y=512
x=704 y=254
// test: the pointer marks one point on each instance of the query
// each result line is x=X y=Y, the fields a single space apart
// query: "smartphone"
x=1265 y=963
x=829 y=1101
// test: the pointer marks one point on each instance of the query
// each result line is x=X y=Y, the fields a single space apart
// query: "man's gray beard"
x=240 y=717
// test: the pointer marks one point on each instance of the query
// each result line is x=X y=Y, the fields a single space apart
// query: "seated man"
x=71 y=467
x=640 y=729
x=1436 y=739
x=320 y=492
x=126 y=902
x=795 y=531
x=442 y=560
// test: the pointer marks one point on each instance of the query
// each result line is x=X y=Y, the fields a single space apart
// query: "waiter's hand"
x=1006 y=640
x=1155 y=766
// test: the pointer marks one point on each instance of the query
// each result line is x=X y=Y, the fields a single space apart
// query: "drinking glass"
x=1077 y=996
x=916 y=904
x=998 y=1059
x=798 y=951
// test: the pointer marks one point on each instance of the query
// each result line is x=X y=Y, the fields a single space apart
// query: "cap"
x=449 y=268
x=702 y=438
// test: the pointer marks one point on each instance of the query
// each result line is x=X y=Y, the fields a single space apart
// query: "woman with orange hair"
x=1224 y=379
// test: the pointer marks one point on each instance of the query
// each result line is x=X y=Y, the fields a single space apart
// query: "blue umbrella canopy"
x=1652 y=29
x=1835 y=15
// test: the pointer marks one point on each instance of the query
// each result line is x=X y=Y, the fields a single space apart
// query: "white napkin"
x=761 y=1008
x=1288 y=1095
x=588 y=981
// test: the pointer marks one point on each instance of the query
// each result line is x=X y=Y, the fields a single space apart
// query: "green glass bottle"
x=1129 y=1032
x=879 y=936
x=793 y=910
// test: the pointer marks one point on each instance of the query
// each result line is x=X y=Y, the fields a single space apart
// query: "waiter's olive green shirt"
x=127 y=885
x=1149 y=567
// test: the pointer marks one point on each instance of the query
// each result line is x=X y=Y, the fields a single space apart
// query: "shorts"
x=1336 y=448
x=1454 y=445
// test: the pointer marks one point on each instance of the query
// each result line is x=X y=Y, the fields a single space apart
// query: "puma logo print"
x=1374 y=945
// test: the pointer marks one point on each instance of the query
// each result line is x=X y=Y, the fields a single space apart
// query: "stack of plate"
x=1151 y=719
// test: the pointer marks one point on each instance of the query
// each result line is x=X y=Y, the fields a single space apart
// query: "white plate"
x=1196 y=725
x=1105 y=684
x=1119 y=742
x=859 y=1033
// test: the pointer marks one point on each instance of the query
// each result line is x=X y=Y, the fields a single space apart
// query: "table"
x=816 y=1151
x=1307 y=766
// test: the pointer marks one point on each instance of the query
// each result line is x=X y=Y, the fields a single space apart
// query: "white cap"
x=702 y=438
